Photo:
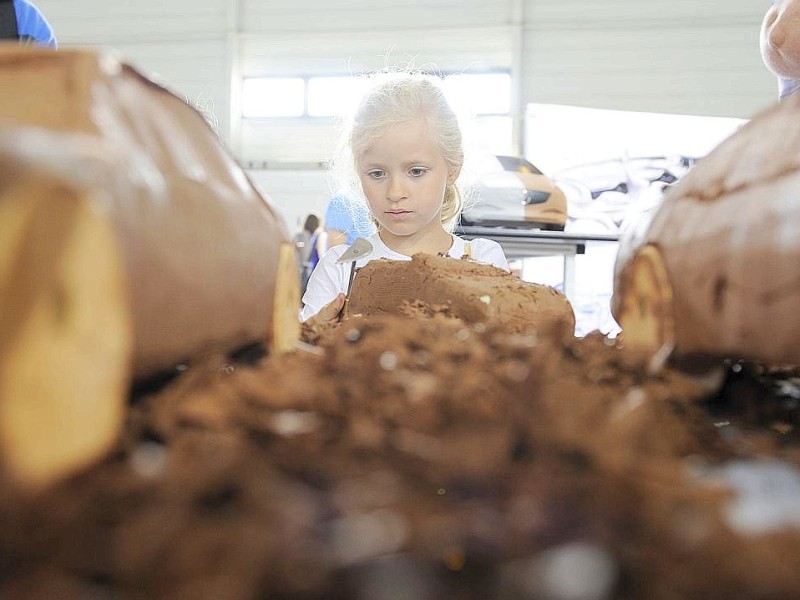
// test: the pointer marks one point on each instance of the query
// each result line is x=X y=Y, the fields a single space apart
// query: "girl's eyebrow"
x=371 y=165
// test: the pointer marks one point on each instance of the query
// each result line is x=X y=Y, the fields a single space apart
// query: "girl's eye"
x=375 y=174
x=417 y=171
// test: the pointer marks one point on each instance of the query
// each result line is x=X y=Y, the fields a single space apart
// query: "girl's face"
x=404 y=175
x=780 y=38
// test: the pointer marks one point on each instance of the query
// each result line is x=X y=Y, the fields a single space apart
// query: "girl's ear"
x=452 y=174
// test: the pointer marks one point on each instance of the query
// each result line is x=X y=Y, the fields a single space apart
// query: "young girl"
x=405 y=144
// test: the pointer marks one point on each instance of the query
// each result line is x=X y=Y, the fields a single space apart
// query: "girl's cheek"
x=371 y=189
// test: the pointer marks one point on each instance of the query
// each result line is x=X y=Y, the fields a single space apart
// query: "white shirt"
x=330 y=278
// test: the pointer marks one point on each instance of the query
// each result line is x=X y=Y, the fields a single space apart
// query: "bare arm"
x=335 y=237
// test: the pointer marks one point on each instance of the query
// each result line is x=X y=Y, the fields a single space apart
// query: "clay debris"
x=427 y=457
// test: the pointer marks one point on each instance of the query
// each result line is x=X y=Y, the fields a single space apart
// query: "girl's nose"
x=396 y=189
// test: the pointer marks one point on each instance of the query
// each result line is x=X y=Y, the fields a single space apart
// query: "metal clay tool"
x=358 y=249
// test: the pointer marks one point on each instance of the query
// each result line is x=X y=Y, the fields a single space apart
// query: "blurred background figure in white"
x=780 y=44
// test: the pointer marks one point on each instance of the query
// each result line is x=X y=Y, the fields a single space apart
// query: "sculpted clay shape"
x=727 y=238
x=131 y=241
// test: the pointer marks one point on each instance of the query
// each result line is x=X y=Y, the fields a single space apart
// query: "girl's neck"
x=437 y=241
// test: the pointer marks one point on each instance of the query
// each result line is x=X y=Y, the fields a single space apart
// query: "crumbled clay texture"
x=422 y=456
x=456 y=443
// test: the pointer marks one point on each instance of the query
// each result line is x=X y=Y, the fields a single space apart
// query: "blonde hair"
x=398 y=98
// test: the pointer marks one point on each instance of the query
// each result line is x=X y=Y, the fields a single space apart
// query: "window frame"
x=307 y=101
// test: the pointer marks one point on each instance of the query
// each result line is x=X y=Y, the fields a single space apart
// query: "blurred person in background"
x=307 y=243
x=20 y=20
x=780 y=44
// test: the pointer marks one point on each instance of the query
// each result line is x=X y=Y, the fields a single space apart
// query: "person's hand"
x=329 y=312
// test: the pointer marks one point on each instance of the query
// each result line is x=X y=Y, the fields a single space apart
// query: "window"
x=484 y=95
x=273 y=97
x=330 y=96
x=480 y=93
x=475 y=93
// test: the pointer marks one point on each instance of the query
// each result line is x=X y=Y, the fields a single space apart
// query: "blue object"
x=349 y=216
x=26 y=24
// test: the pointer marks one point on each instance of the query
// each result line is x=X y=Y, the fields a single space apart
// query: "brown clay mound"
x=423 y=457
x=462 y=288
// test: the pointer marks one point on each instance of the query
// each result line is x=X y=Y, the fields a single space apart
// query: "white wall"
x=294 y=193
x=187 y=45
x=674 y=56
